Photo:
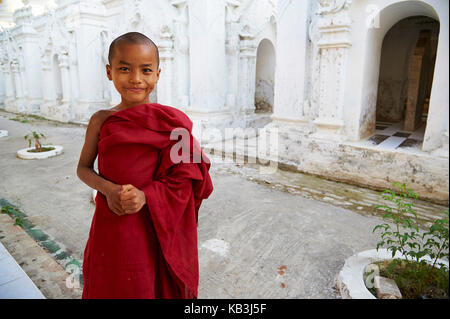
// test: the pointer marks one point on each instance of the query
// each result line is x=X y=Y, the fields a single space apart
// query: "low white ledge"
x=350 y=281
x=24 y=154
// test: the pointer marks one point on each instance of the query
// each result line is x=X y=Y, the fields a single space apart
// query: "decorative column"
x=166 y=61
x=15 y=69
x=48 y=85
x=232 y=55
x=28 y=44
x=87 y=21
x=181 y=52
x=9 y=86
x=247 y=71
x=62 y=111
x=73 y=68
x=334 y=29
x=65 y=76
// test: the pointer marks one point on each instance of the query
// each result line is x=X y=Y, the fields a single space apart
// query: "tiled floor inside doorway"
x=391 y=136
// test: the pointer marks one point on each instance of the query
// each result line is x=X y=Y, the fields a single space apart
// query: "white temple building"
x=358 y=90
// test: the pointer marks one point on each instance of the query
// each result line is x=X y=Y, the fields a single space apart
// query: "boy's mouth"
x=135 y=90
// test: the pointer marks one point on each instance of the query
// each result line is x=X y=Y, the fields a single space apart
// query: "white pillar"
x=62 y=111
x=65 y=77
x=48 y=85
x=19 y=102
x=166 y=61
x=232 y=49
x=334 y=28
x=17 y=80
x=232 y=56
x=9 y=86
x=27 y=42
x=207 y=55
x=247 y=71
x=181 y=58
x=88 y=21
x=436 y=133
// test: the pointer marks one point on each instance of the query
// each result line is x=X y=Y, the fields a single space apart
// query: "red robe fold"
x=153 y=253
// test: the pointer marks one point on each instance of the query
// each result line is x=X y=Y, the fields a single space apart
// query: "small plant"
x=413 y=274
x=20 y=118
x=36 y=137
x=397 y=239
x=13 y=213
x=437 y=239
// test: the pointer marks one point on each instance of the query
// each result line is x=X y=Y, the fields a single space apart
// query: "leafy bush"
x=405 y=238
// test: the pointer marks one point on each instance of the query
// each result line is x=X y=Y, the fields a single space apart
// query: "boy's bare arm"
x=85 y=169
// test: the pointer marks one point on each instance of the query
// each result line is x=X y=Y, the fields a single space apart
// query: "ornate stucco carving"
x=330 y=32
x=333 y=6
x=56 y=36
x=166 y=42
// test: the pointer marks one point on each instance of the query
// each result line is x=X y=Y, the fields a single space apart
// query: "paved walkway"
x=14 y=282
x=278 y=236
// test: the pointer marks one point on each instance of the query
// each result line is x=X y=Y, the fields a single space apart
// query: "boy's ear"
x=157 y=74
x=108 y=72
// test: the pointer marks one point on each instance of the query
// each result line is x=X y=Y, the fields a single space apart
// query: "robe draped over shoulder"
x=153 y=253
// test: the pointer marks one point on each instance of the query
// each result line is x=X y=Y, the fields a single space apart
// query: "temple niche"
x=265 y=77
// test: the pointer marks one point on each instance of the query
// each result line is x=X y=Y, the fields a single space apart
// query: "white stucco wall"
x=290 y=59
x=207 y=54
x=324 y=68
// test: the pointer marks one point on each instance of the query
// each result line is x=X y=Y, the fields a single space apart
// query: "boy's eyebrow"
x=127 y=63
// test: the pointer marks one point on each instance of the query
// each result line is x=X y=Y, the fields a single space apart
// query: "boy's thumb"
x=126 y=188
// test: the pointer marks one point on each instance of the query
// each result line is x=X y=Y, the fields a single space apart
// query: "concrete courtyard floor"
x=286 y=235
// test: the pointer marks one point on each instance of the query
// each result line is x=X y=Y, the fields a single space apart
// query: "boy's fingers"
x=126 y=197
x=125 y=191
x=127 y=187
x=125 y=206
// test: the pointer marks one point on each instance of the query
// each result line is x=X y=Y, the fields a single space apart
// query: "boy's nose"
x=135 y=77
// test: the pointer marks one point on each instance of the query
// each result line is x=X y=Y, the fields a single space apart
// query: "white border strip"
x=24 y=154
x=350 y=281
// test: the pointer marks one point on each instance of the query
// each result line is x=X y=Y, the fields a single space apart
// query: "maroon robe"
x=153 y=253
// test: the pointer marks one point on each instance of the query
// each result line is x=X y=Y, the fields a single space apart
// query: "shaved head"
x=131 y=38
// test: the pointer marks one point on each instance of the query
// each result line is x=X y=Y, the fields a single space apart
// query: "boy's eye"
x=123 y=69
x=147 y=70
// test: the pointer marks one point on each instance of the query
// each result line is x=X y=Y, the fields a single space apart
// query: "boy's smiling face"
x=134 y=71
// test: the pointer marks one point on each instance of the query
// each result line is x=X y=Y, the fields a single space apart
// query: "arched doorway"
x=407 y=62
x=265 y=76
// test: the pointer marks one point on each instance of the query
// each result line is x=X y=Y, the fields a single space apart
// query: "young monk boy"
x=143 y=237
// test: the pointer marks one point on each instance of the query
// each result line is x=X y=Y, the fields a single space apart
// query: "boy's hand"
x=132 y=199
x=113 y=199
